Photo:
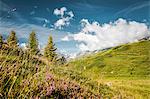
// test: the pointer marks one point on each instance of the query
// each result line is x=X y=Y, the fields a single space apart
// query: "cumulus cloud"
x=60 y=11
x=95 y=36
x=64 y=19
x=68 y=37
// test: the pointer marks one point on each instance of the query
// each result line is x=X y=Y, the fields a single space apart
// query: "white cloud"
x=62 y=22
x=59 y=23
x=23 y=45
x=66 y=38
x=65 y=17
x=60 y=11
x=94 y=36
x=71 y=14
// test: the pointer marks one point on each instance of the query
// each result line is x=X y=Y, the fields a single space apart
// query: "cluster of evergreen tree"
x=32 y=47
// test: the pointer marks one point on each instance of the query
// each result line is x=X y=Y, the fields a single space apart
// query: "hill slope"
x=23 y=75
x=125 y=68
x=122 y=72
x=125 y=60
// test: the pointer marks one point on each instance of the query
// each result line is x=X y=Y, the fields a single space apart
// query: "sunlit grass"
x=26 y=76
x=125 y=68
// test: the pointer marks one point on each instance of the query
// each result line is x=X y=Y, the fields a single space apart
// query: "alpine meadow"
x=74 y=49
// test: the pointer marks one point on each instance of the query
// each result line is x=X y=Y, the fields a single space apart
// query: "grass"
x=126 y=60
x=24 y=76
x=125 y=68
x=120 y=72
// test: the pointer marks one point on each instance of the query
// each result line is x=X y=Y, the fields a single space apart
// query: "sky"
x=77 y=25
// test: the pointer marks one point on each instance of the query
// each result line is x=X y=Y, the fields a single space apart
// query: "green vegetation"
x=24 y=75
x=125 y=68
x=122 y=72
x=130 y=60
x=12 y=39
x=50 y=50
x=33 y=43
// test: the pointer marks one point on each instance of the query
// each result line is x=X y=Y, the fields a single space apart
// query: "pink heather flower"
x=65 y=86
x=48 y=76
x=49 y=90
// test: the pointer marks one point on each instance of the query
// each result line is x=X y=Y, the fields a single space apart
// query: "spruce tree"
x=1 y=41
x=12 y=39
x=33 y=43
x=50 y=49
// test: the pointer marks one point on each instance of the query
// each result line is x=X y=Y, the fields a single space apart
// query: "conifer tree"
x=33 y=43
x=12 y=39
x=1 y=41
x=50 y=49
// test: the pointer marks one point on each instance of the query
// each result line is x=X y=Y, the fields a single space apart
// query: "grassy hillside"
x=24 y=76
x=125 y=60
x=120 y=72
x=125 y=69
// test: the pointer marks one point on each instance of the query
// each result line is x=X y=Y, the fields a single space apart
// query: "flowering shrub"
x=31 y=79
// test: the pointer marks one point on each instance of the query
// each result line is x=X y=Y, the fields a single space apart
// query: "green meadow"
x=125 y=69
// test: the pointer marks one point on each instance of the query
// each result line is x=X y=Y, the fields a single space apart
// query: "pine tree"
x=50 y=49
x=1 y=41
x=12 y=39
x=33 y=43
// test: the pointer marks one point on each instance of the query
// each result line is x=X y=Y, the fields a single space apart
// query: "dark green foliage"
x=62 y=60
x=33 y=43
x=12 y=40
x=50 y=49
x=1 y=41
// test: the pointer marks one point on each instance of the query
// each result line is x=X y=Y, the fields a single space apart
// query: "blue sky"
x=23 y=16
